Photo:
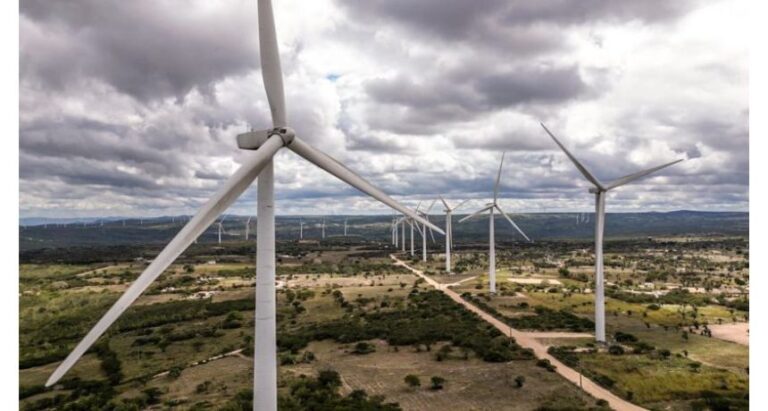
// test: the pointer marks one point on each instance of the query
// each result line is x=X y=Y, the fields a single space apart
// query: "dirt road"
x=737 y=332
x=528 y=341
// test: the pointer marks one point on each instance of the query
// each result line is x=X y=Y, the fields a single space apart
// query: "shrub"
x=437 y=383
x=616 y=350
x=519 y=381
x=363 y=348
x=412 y=381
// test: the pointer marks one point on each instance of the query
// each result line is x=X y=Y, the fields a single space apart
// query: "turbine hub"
x=254 y=139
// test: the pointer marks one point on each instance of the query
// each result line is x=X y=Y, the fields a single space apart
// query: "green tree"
x=412 y=381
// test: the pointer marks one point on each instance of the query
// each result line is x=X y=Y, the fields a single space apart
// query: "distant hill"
x=538 y=226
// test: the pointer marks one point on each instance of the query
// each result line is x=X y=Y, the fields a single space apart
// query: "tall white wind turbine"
x=491 y=208
x=345 y=226
x=449 y=231
x=265 y=143
x=301 y=229
x=423 y=231
x=247 y=227
x=599 y=189
x=221 y=227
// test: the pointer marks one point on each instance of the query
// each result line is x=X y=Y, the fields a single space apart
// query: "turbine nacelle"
x=254 y=139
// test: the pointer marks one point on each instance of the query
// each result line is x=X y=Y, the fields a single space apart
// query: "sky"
x=132 y=108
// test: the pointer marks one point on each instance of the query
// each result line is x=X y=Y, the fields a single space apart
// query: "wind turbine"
x=247 y=227
x=423 y=231
x=449 y=231
x=266 y=144
x=491 y=208
x=221 y=227
x=345 y=226
x=599 y=189
x=301 y=229
x=322 y=228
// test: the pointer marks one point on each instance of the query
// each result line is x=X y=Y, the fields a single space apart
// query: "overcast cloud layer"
x=131 y=108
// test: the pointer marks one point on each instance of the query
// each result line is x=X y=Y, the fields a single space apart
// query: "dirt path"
x=556 y=334
x=527 y=341
x=738 y=332
x=206 y=361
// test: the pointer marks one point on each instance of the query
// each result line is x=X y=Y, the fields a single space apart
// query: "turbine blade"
x=512 y=222
x=498 y=178
x=430 y=206
x=270 y=63
x=223 y=198
x=575 y=162
x=476 y=213
x=444 y=203
x=460 y=204
x=632 y=177
x=339 y=170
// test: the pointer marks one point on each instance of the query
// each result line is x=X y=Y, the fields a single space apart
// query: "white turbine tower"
x=247 y=228
x=322 y=228
x=258 y=164
x=423 y=231
x=491 y=208
x=301 y=229
x=449 y=231
x=599 y=189
x=345 y=227
x=220 y=227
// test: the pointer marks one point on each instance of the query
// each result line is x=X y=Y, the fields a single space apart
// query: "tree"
x=175 y=372
x=519 y=380
x=437 y=383
x=412 y=381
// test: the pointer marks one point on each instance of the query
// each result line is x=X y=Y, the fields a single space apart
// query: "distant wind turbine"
x=599 y=189
x=491 y=208
x=449 y=231
x=247 y=227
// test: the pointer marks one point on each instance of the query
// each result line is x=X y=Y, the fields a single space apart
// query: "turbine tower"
x=423 y=231
x=301 y=229
x=265 y=143
x=599 y=189
x=247 y=228
x=221 y=227
x=449 y=231
x=345 y=226
x=491 y=208
x=322 y=228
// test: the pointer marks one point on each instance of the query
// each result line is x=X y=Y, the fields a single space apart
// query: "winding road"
x=528 y=340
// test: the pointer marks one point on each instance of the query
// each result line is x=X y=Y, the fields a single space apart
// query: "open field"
x=332 y=298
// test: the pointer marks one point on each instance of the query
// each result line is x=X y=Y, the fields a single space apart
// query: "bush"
x=519 y=381
x=544 y=363
x=437 y=383
x=363 y=348
x=616 y=350
x=412 y=381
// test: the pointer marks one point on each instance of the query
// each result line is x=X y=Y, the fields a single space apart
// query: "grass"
x=652 y=380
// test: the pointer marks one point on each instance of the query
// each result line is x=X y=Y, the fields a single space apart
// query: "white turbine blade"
x=498 y=178
x=575 y=162
x=223 y=198
x=476 y=213
x=270 y=63
x=512 y=222
x=460 y=204
x=430 y=207
x=632 y=177
x=445 y=203
x=339 y=170
x=418 y=206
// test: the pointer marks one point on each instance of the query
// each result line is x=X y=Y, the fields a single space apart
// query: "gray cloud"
x=132 y=107
x=145 y=48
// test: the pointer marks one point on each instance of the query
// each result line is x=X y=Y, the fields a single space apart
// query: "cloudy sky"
x=132 y=107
